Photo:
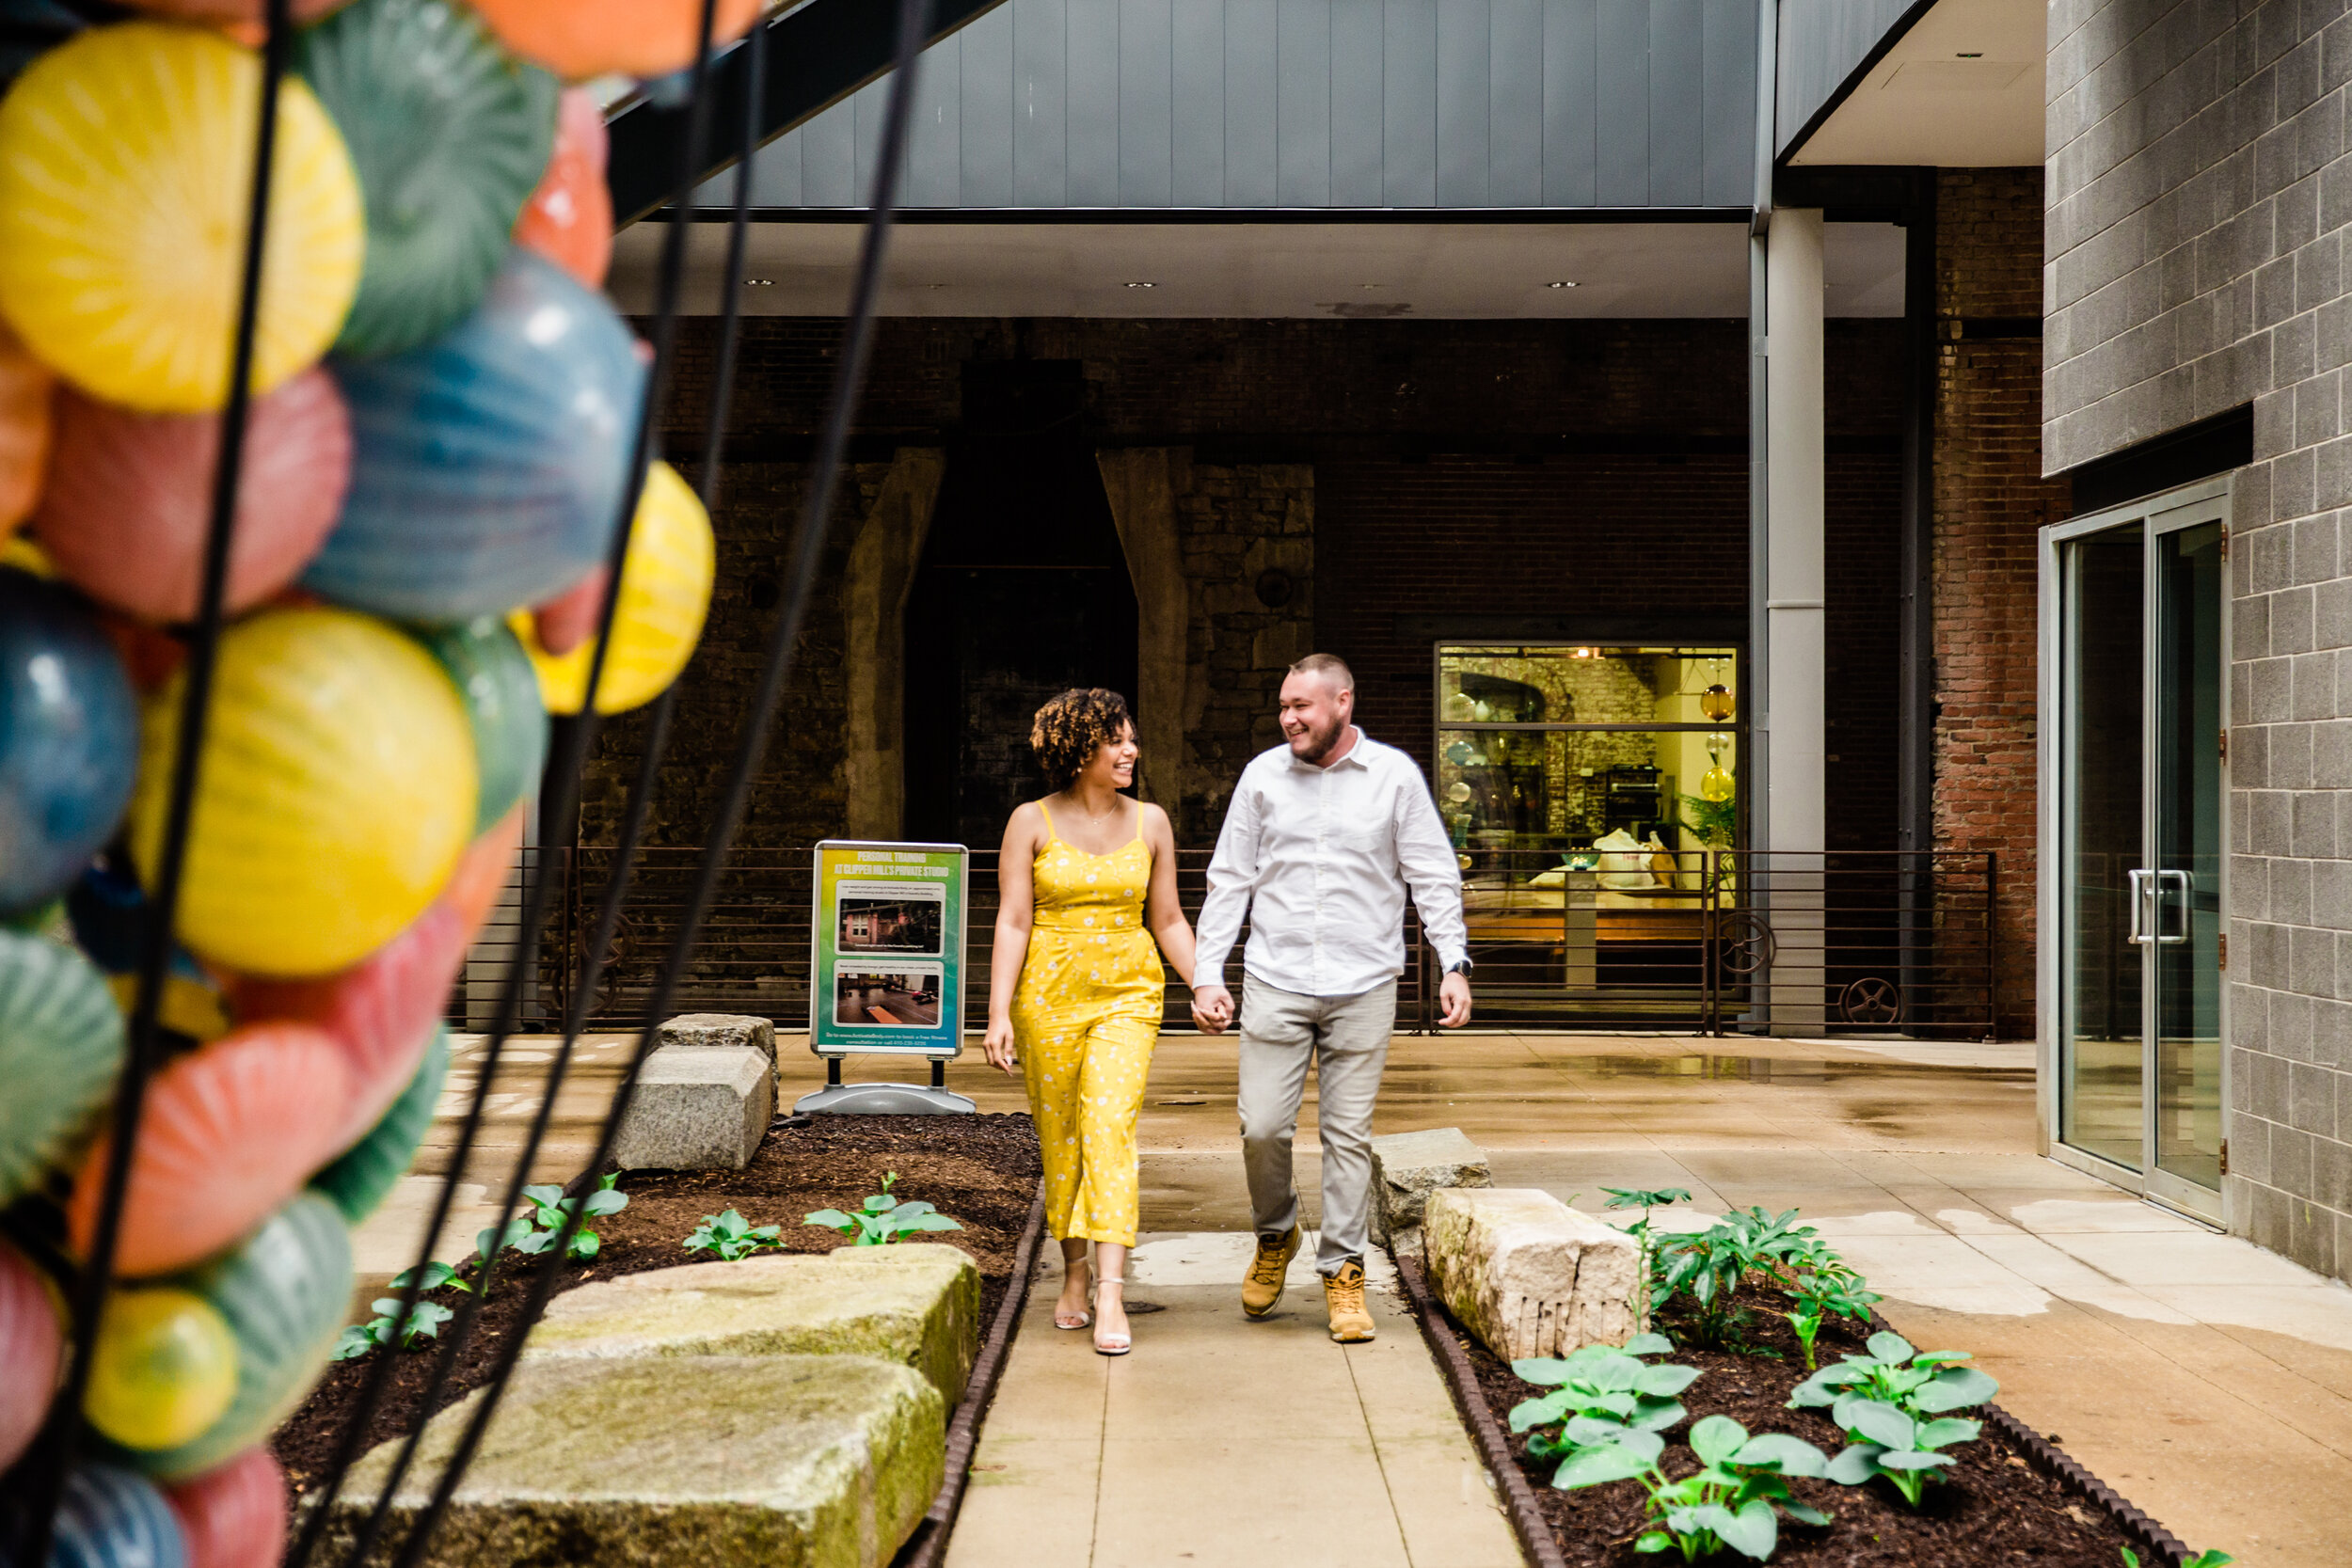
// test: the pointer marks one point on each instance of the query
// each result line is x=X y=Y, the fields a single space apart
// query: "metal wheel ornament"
x=1872 y=999
x=1747 y=943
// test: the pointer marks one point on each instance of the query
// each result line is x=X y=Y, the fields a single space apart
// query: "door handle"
x=2181 y=879
x=2136 y=884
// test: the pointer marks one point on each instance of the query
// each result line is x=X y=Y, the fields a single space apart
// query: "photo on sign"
x=890 y=920
x=886 y=996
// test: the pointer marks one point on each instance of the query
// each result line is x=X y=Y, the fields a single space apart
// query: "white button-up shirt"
x=1320 y=859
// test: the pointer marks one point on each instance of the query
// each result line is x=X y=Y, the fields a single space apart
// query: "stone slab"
x=1528 y=1275
x=676 y=1462
x=698 y=1107
x=1407 y=1166
x=915 y=1303
x=707 y=1029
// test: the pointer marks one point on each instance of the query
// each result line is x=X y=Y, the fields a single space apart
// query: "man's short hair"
x=1330 y=667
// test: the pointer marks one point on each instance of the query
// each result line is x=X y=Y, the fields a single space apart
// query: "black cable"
x=751 y=745
x=62 y=1442
x=578 y=739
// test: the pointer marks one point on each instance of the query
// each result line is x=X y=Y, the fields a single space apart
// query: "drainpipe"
x=1755 y=682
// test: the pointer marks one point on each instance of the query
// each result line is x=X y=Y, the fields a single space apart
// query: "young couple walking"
x=1325 y=836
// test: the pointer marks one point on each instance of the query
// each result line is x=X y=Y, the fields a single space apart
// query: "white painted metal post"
x=1794 y=764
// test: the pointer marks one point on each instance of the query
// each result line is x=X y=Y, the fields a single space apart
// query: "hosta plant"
x=533 y=1233
x=883 y=1219
x=424 y=1322
x=1735 y=1500
x=1598 y=1393
x=1890 y=1442
x=733 y=1237
x=1917 y=1382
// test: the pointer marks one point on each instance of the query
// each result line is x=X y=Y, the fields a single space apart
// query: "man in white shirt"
x=1322 y=839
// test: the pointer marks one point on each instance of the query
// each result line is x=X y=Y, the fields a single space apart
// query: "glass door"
x=2140 y=665
x=2183 y=934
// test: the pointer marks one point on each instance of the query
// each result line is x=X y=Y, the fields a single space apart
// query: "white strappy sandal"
x=1084 y=1319
x=1106 y=1344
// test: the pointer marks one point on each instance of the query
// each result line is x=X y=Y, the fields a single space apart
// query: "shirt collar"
x=1355 y=758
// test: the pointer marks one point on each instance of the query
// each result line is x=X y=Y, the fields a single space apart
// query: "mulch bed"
x=981 y=1170
x=2001 y=1505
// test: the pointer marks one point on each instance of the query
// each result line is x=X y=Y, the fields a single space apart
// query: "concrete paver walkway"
x=1230 y=1441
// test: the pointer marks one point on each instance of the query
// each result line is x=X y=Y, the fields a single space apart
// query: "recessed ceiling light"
x=761 y=282
x=1563 y=283
x=1372 y=285
x=1143 y=285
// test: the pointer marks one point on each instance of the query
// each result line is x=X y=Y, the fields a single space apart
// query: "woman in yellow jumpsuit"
x=1088 y=880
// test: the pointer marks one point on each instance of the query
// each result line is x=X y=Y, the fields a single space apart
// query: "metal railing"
x=1711 y=941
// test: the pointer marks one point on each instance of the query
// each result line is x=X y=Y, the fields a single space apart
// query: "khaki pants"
x=1348 y=1040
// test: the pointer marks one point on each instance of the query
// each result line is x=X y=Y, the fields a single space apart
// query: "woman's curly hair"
x=1068 y=729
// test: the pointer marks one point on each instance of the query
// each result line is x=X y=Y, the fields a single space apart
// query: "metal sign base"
x=838 y=1098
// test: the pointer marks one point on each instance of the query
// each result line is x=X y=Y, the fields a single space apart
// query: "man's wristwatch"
x=1461 y=967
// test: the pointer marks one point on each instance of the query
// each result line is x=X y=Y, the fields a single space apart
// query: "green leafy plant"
x=1710 y=1265
x=435 y=1275
x=533 y=1233
x=1599 y=1394
x=424 y=1322
x=1896 y=1444
x=883 y=1218
x=1735 y=1500
x=1712 y=822
x=1833 y=1291
x=1644 y=1198
x=2202 y=1560
x=1916 y=1383
x=733 y=1237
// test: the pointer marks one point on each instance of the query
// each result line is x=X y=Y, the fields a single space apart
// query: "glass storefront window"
x=1577 y=750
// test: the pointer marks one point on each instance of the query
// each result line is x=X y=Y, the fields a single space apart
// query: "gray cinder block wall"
x=2195 y=262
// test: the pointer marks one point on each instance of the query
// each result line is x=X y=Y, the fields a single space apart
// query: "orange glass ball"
x=580 y=38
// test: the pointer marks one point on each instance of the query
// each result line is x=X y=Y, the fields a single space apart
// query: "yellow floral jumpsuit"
x=1085 y=1018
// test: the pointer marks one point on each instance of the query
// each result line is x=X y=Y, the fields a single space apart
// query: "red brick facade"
x=1990 y=501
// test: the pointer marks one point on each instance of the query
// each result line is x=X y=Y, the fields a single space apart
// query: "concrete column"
x=874 y=589
x=1795 y=487
x=1141 y=484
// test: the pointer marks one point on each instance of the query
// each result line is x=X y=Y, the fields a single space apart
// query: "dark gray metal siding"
x=1822 y=43
x=1142 y=104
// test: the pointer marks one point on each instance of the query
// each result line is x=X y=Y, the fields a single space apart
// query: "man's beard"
x=1315 y=744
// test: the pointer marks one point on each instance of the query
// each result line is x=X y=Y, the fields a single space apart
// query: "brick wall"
x=1990 y=500
x=1411 y=467
x=2199 y=193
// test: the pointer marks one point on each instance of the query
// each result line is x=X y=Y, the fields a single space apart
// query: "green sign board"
x=887 y=948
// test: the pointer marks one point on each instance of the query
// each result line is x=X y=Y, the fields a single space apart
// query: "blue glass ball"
x=487 y=466
x=68 y=739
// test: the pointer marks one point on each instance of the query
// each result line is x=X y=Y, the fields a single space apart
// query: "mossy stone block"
x=677 y=1461
x=914 y=1303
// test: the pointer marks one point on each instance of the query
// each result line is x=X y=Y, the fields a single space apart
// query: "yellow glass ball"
x=337 y=792
x=163 y=1368
x=1715 y=785
x=1715 y=702
x=125 y=163
x=665 y=596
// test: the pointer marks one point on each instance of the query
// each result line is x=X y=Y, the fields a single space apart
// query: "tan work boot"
x=1344 y=1295
x=1263 y=1287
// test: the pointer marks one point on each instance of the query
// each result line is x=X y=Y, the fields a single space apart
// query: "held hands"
x=1453 y=996
x=998 y=1044
x=1211 y=1008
